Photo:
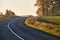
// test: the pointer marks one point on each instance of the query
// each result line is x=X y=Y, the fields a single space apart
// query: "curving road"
x=15 y=29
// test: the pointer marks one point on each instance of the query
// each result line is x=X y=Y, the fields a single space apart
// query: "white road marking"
x=13 y=31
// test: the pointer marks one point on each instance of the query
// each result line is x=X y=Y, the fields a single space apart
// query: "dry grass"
x=45 y=27
x=3 y=17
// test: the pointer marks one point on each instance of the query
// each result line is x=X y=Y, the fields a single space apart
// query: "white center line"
x=13 y=31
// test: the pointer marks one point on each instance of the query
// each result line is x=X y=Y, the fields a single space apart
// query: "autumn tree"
x=40 y=5
x=9 y=13
x=48 y=6
x=44 y=4
x=57 y=6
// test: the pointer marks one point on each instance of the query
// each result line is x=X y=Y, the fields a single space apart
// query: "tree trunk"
x=43 y=9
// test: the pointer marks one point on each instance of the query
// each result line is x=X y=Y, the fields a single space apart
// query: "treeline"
x=48 y=7
x=8 y=13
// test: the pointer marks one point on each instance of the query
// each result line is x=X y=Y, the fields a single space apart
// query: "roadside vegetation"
x=47 y=24
x=7 y=15
x=50 y=19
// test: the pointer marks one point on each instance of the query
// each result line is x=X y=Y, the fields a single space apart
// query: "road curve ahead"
x=15 y=29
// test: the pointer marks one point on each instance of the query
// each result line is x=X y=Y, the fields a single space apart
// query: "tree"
x=9 y=13
x=1 y=14
x=48 y=6
x=55 y=6
x=44 y=4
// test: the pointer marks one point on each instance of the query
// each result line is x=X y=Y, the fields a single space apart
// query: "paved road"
x=15 y=29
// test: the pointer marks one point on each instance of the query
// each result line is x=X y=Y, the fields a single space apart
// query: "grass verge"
x=50 y=19
x=53 y=32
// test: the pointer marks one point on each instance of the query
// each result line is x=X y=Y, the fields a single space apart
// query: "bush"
x=53 y=20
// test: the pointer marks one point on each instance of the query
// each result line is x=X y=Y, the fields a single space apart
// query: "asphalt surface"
x=15 y=29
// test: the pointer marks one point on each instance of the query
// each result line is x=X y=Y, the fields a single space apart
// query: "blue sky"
x=20 y=7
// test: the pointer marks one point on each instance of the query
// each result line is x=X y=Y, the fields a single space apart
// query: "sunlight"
x=21 y=7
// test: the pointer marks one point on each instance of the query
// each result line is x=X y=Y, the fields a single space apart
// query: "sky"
x=20 y=7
